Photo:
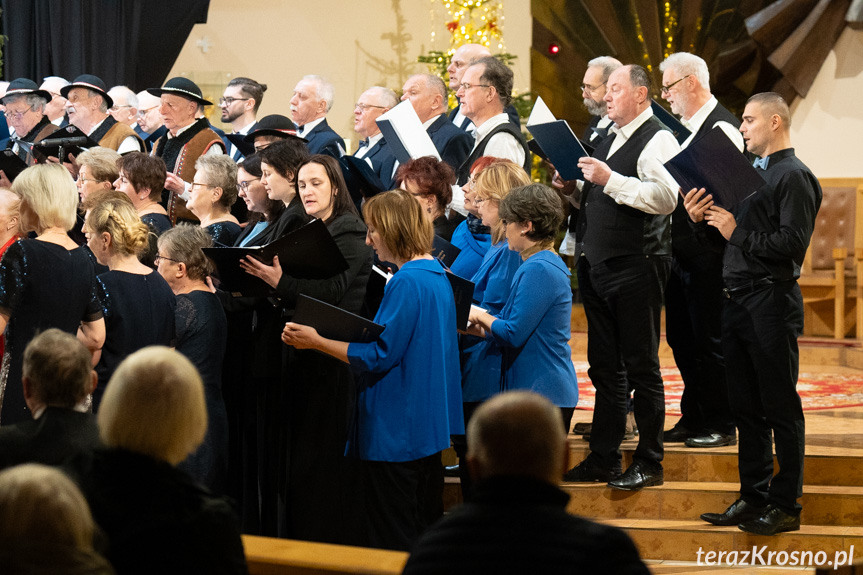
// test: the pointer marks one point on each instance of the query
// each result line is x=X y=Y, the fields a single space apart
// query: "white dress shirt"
x=654 y=191
x=306 y=128
x=694 y=123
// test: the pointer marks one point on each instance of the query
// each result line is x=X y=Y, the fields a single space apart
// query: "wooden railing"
x=270 y=556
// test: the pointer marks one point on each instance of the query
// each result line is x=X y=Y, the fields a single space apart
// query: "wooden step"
x=680 y=540
x=822 y=505
x=692 y=568
x=720 y=464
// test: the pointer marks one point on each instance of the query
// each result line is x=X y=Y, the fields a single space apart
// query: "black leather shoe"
x=771 y=522
x=451 y=470
x=737 y=513
x=589 y=472
x=677 y=434
x=639 y=475
x=581 y=428
x=712 y=440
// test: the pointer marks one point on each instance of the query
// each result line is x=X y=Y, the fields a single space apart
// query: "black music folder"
x=11 y=164
x=77 y=140
x=681 y=133
x=360 y=178
x=462 y=290
x=335 y=323
x=713 y=162
x=557 y=140
x=444 y=251
x=309 y=253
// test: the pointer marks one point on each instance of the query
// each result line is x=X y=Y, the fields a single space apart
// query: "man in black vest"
x=767 y=235
x=624 y=244
x=485 y=91
x=693 y=297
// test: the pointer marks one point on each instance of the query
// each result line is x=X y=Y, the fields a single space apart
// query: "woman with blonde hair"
x=45 y=524
x=213 y=192
x=153 y=416
x=409 y=398
x=137 y=303
x=481 y=357
x=45 y=282
x=9 y=234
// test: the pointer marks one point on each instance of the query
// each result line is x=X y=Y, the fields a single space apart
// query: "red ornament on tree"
x=452 y=26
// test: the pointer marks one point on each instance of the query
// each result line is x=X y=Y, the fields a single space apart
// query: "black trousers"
x=623 y=303
x=693 y=323
x=759 y=336
x=401 y=500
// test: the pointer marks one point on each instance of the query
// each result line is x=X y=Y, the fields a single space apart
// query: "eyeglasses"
x=142 y=113
x=477 y=201
x=158 y=258
x=193 y=184
x=465 y=86
x=116 y=108
x=364 y=107
x=244 y=185
x=228 y=101
x=591 y=89
x=19 y=114
x=667 y=89
x=82 y=180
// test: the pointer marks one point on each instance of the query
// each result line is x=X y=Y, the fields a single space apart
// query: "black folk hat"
x=90 y=82
x=182 y=87
x=23 y=86
x=274 y=125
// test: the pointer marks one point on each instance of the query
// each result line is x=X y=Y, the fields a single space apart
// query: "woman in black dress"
x=201 y=334
x=213 y=192
x=430 y=182
x=46 y=282
x=137 y=303
x=321 y=392
x=142 y=178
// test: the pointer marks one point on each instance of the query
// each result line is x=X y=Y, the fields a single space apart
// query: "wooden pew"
x=270 y=556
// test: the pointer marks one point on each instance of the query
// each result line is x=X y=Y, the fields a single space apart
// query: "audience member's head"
x=57 y=371
x=154 y=405
x=517 y=433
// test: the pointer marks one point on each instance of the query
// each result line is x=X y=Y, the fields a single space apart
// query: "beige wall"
x=272 y=42
x=827 y=125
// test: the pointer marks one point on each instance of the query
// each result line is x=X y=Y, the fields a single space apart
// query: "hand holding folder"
x=557 y=140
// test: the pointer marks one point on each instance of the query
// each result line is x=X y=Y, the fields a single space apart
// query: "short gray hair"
x=131 y=97
x=686 y=64
x=324 y=90
x=437 y=84
x=498 y=75
x=608 y=65
x=221 y=172
x=639 y=77
x=38 y=102
x=183 y=244
x=388 y=98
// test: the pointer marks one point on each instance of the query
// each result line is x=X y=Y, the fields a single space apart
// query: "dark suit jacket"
x=520 y=525
x=58 y=436
x=324 y=140
x=383 y=161
x=452 y=143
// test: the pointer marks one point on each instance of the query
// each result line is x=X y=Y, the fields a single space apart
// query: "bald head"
x=517 y=433
x=461 y=59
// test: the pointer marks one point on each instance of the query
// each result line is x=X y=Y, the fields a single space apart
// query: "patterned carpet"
x=822 y=390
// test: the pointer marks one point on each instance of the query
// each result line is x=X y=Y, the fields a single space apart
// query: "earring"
x=523 y=233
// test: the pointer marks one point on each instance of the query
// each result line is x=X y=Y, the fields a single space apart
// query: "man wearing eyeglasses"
x=623 y=242
x=462 y=58
x=693 y=300
x=373 y=148
x=150 y=124
x=239 y=105
x=310 y=104
x=25 y=104
x=484 y=93
x=55 y=108
x=87 y=104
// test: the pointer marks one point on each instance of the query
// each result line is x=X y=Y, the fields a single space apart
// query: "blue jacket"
x=534 y=331
x=410 y=403
x=481 y=358
x=473 y=249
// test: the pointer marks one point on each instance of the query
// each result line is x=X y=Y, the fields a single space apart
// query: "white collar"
x=694 y=123
x=181 y=130
x=629 y=129
x=491 y=124
x=245 y=129
x=306 y=128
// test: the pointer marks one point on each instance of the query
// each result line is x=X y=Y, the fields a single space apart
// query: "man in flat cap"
x=87 y=104
x=187 y=140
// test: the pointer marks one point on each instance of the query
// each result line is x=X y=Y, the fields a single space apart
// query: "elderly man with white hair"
x=55 y=109
x=25 y=107
x=373 y=147
x=693 y=301
x=310 y=104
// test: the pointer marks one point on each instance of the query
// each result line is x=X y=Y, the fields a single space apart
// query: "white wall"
x=827 y=125
x=279 y=41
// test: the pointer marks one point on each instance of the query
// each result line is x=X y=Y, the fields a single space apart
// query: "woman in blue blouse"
x=481 y=357
x=409 y=400
x=533 y=328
